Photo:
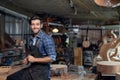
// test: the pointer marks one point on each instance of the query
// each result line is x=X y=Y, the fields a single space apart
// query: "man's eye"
x=38 y=24
x=32 y=24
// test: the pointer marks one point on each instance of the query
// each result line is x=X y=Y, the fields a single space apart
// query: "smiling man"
x=41 y=52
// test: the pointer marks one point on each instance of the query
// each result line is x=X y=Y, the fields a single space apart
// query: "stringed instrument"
x=86 y=41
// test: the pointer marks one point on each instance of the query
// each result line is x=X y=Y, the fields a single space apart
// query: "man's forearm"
x=43 y=60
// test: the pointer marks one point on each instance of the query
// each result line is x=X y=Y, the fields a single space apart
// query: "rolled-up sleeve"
x=50 y=47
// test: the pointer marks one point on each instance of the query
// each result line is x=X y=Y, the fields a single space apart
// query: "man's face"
x=36 y=26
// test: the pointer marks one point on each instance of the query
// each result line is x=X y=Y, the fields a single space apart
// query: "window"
x=16 y=27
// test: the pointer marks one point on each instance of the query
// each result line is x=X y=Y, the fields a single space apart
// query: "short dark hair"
x=34 y=18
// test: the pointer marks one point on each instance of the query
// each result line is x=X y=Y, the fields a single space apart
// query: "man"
x=42 y=52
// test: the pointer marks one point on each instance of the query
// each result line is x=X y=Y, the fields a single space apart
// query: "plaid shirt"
x=46 y=46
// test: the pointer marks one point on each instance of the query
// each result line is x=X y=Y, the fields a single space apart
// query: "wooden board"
x=78 y=56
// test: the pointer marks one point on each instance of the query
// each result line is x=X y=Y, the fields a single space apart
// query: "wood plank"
x=78 y=56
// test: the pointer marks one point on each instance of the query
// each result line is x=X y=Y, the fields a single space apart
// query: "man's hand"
x=31 y=58
x=25 y=61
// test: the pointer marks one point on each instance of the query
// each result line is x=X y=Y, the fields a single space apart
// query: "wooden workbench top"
x=7 y=70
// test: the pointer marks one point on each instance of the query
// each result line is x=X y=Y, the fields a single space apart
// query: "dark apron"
x=36 y=71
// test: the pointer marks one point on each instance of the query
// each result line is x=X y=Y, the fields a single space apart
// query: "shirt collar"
x=39 y=35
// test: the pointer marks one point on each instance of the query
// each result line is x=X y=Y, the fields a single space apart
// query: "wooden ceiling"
x=75 y=11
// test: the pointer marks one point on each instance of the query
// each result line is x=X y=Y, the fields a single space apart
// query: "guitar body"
x=86 y=42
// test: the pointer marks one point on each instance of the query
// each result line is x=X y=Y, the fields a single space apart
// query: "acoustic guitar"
x=86 y=41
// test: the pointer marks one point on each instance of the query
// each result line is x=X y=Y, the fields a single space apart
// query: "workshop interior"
x=86 y=35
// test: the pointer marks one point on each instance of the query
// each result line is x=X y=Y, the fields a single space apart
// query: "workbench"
x=7 y=70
